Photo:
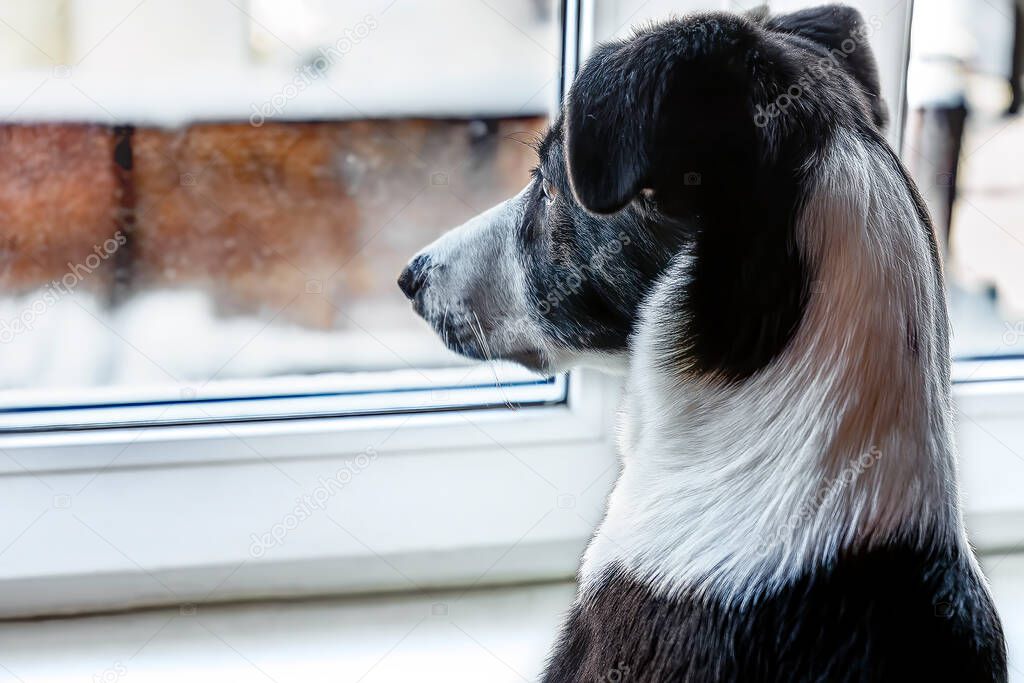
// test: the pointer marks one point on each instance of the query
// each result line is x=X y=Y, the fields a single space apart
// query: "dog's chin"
x=474 y=342
x=534 y=361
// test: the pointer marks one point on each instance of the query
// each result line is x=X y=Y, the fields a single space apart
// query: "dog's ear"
x=657 y=112
x=607 y=130
x=843 y=35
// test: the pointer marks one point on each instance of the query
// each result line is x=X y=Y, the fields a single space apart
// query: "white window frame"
x=171 y=507
x=550 y=455
x=326 y=395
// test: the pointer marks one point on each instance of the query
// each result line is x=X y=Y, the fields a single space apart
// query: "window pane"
x=197 y=192
x=963 y=143
x=962 y=140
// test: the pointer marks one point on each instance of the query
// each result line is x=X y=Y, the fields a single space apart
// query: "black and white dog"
x=716 y=211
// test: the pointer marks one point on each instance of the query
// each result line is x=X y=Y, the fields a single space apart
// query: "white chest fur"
x=843 y=439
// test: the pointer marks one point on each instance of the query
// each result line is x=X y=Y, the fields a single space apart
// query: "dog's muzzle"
x=414 y=276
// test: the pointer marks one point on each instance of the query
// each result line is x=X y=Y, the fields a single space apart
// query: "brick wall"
x=251 y=215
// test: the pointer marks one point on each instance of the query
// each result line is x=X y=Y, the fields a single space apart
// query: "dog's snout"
x=414 y=276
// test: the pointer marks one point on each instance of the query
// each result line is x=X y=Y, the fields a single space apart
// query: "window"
x=284 y=165
x=206 y=205
x=231 y=190
x=962 y=144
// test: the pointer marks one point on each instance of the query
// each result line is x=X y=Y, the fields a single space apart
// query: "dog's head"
x=692 y=136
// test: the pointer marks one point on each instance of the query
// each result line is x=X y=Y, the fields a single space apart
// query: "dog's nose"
x=414 y=276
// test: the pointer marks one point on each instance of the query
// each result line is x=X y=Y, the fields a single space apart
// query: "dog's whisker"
x=485 y=348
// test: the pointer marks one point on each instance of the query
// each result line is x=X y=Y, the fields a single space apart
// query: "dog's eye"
x=549 y=190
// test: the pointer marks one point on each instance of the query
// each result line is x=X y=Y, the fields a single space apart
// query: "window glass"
x=961 y=138
x=963 y=143
x=196 y=195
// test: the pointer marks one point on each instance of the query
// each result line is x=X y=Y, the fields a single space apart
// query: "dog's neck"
x=842 y=442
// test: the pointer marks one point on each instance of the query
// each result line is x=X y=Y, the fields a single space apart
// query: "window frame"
x=280 y=398
x=572 y=436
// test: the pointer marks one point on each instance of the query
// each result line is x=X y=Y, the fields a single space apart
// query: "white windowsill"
x=495 y=635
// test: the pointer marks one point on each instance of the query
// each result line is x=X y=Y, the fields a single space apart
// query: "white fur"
x=714 y=475
x=473 y=258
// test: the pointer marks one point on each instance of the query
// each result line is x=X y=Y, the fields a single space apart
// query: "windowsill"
x=497 y=634
x=494 y=635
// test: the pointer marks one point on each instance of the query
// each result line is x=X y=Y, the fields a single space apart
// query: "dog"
x=716 y=212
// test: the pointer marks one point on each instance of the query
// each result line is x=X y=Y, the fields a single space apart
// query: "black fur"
x=671 y=135
x=826 y=29
x=699 y=138
x=675 y=110
x=891 y=614
x=589 y=273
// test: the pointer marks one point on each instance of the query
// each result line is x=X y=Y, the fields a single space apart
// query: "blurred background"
x=204 y=205
x=268 y=166
x=963 y=142
x=265 y=168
